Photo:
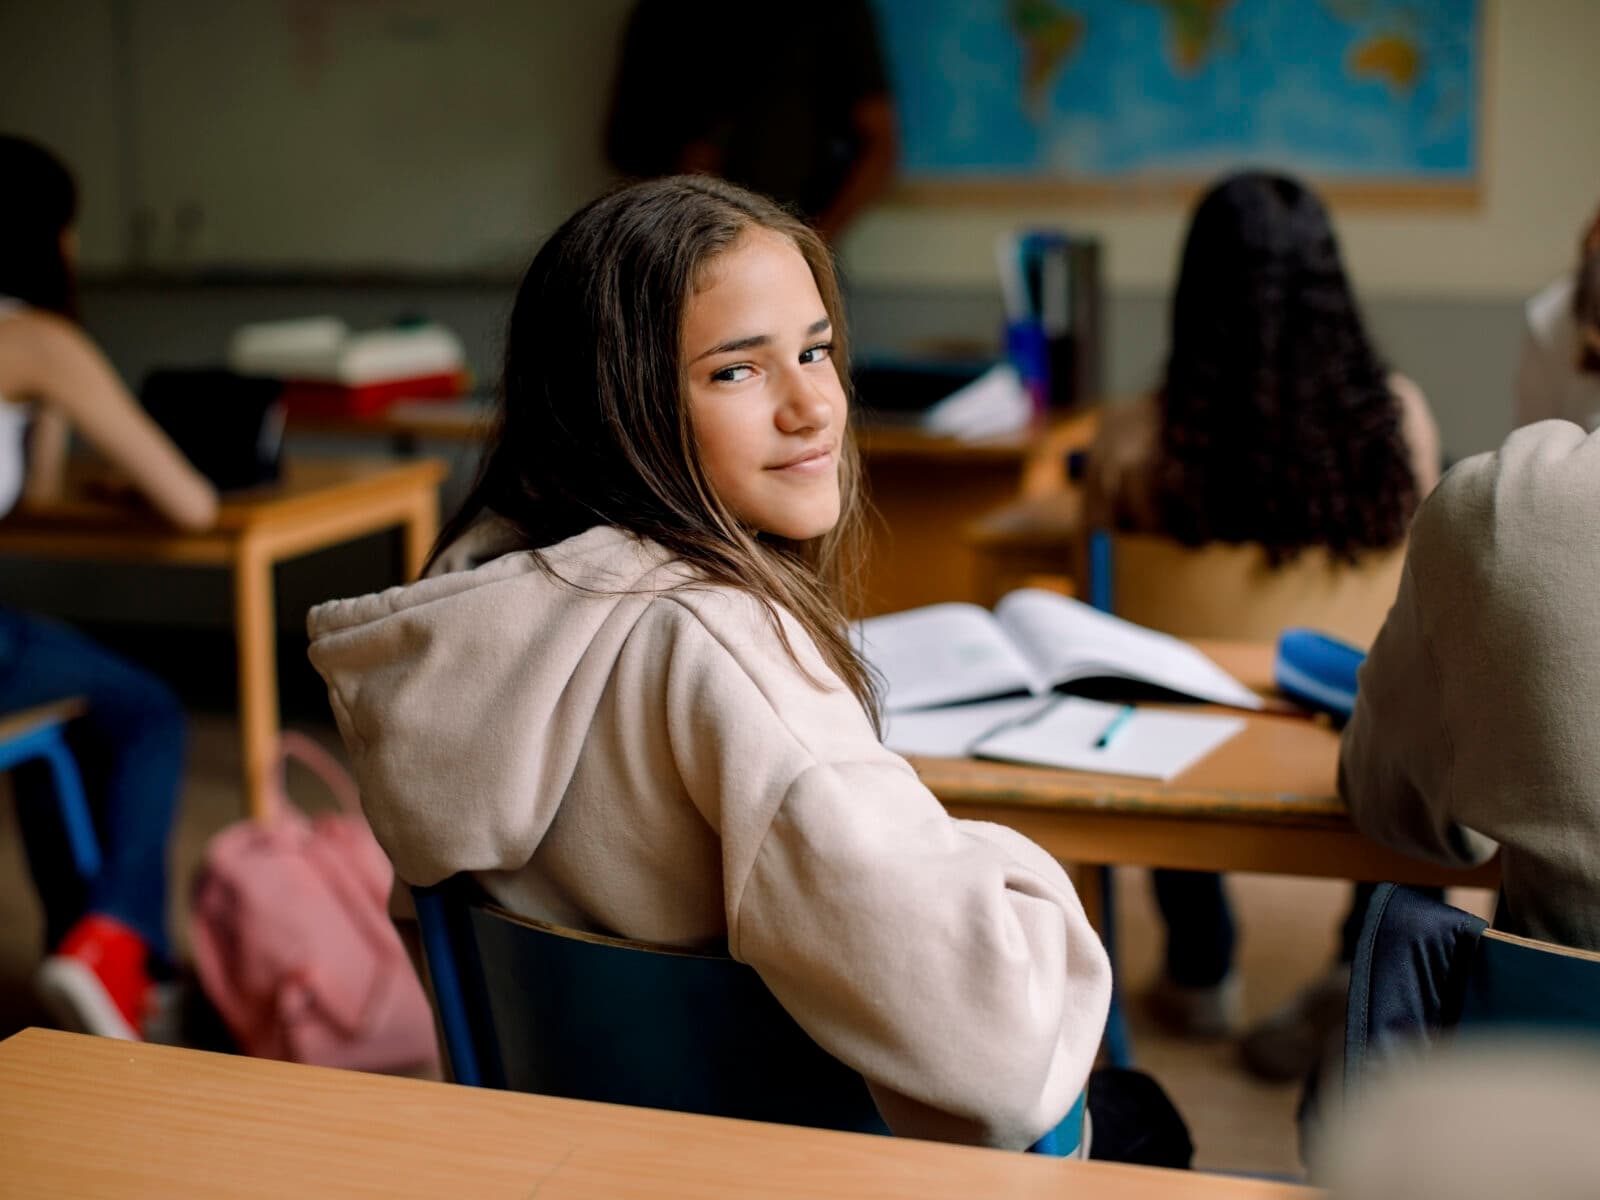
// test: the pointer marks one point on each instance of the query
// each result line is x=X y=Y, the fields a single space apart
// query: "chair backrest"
x=1423 y=968
x=534 y=1008
x=1227 y=590
x=527 y=1006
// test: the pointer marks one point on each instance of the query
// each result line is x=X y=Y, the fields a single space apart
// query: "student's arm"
x=47 y=456
x=44 y=356
x=1473 y=720
x=1538 y=387
x=948 y=961
x=1420 y=432
x=1396 y=761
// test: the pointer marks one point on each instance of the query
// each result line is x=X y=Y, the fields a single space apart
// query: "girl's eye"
x=818 y=353
x=731 y=374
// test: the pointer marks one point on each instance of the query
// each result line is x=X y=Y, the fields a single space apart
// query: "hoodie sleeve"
x=948 y=961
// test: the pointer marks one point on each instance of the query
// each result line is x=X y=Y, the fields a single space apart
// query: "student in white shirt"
x=105 y=935
x=1559 y=372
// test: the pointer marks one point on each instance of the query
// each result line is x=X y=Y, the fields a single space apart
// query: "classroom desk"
x=405 y=423
x=1031 y=536
x=318 y=503
x=89 y=1116
x=1266 y=800
x=923 y=488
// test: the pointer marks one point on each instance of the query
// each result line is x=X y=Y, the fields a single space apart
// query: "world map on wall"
x=1115 y=90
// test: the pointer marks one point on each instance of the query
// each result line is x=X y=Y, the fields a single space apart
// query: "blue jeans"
x=129 y=748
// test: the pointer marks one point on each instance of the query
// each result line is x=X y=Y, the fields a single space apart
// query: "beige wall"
x=532 y=150
x=1541 y=180
x=406 y=135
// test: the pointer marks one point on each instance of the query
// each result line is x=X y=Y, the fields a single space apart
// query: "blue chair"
x=1423 y=968
x=40 y=733
x=533 y=1008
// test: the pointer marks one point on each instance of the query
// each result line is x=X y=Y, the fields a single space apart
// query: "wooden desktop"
x=90 y=1116
x=1266 y=800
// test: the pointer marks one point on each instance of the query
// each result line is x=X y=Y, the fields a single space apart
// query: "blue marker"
x=1115 y=727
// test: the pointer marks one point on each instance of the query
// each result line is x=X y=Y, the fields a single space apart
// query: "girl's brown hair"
x=594 y=427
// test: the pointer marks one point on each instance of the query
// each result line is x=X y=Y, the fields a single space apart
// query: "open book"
x=960 y=680
x=1033 y=642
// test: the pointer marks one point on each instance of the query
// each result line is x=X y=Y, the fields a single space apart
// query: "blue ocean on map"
x=1105 y=90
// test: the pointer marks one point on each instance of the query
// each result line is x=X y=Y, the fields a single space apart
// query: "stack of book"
x=329 y=370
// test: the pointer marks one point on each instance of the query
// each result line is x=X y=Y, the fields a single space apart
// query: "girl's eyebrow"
x=758 y=339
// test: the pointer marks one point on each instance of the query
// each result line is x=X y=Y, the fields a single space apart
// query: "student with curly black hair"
x=1277 y=424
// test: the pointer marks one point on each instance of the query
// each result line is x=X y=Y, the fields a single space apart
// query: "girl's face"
x=768 y=409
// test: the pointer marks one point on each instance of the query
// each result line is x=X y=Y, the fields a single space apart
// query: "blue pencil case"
x=1317 y=671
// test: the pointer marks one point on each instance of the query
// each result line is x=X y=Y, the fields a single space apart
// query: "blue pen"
x=1115 y=727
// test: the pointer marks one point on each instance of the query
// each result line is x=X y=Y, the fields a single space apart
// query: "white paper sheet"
x=1152 y=743
x=951 y=732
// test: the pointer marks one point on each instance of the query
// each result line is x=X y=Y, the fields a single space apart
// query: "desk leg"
x=1086 y=881
x=256 y=635
x=421 y=528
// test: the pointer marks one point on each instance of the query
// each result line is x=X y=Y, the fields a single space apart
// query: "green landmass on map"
x=1050 y=35
x=1392 y=58
x=1192 y=26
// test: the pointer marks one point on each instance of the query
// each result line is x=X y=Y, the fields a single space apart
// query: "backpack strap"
x=300 y=748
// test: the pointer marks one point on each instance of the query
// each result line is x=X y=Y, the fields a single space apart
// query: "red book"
x=314 y=399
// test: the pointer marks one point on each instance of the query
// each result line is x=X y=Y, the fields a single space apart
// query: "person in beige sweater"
x=626 y=702
x=1474 y=724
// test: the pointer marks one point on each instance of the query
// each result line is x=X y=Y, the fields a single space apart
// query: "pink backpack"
x=292 y=938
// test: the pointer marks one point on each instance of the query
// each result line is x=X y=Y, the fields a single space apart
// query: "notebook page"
x=1066 y=639
x=951 y=731
x=942 y=654
x=1152 y=744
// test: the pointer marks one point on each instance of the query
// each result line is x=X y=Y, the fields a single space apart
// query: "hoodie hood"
x=464 y=699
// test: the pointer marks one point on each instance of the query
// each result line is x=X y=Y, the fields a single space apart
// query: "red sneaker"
x=95 y=982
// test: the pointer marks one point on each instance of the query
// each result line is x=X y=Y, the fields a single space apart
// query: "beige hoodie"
x=634 y=753
x=1477 y=718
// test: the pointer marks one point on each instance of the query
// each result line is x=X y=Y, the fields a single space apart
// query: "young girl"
x=106 y=933
x=1276 y=424
x=626 y=701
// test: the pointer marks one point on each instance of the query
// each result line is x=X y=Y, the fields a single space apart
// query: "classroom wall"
x=1443 y=288
x=334 y=137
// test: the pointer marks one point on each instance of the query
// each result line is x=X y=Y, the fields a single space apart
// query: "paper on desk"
x=1153 y=743
x=952 y=731
x=991 y=405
